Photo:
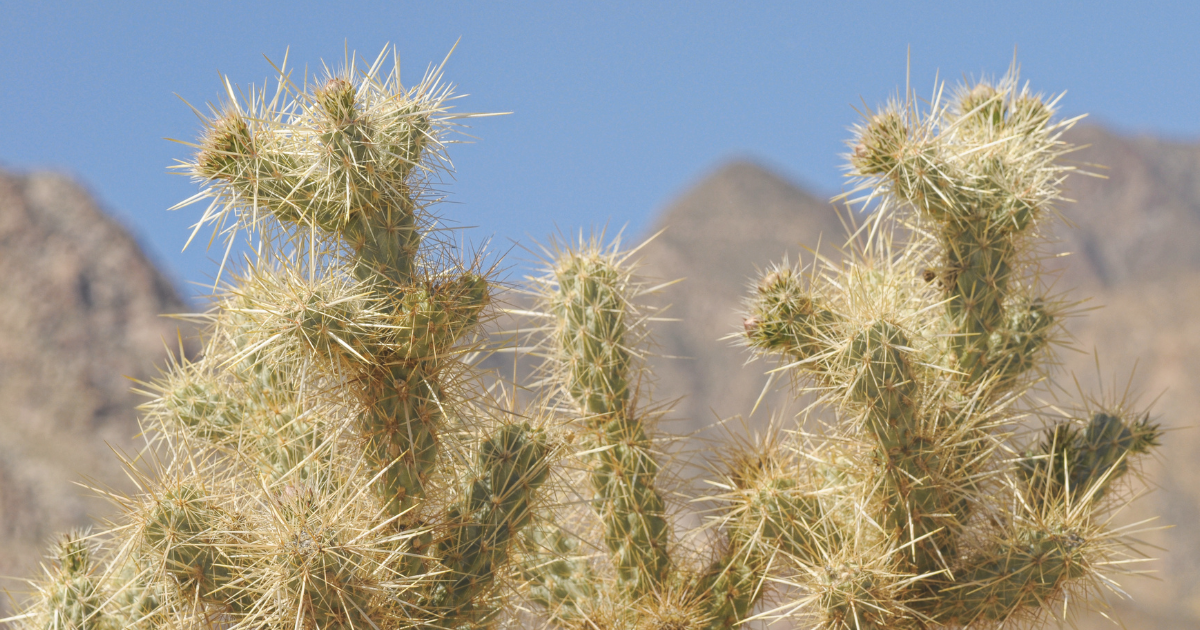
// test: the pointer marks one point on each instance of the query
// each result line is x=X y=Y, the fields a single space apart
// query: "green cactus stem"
x=74 y=598
x=560 y=577
x=785 y=318
x=189 y=537
x=1073 y=463
x=1012 y=576
x=511 y=466
x=591 y=340
x=322 y=575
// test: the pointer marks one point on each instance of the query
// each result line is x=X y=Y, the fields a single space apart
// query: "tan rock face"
x=736 y=221
x=80 y=306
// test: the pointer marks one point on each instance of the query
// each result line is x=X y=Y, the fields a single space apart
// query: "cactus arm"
x=203 y=405
x=395 y=345
x=561 y=580
x=378 y=217
x=1072 y=464
x=321 y=578
x=885 y=386
x=183 y=532
x=730 y=587
x=771 y=517
x=1012 y=575
x=591 y=337
x=786 y=319
x=75 y=596
x=136 y=598
x=1032 y=565
x=1013 y=350
x=511 y=466
x=242 y=157
x=780 y=514
x=405 y=401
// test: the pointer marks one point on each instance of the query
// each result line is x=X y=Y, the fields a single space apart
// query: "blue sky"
x=617 y=108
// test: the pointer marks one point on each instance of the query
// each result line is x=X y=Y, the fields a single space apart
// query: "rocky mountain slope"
x=736 y=221
x=1135 y=240
x=80 y=306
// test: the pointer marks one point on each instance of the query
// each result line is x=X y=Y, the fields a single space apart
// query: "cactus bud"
x=336 y=99
x=983 y=104
x=1029 y=113
x=225 y=148
x=880 y=145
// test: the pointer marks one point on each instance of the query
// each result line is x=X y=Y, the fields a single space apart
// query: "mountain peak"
x=744 y=196
x=736 y=220
x=80 y=303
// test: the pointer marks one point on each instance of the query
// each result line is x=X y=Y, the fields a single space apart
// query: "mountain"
x=736 y=221
x=1138 y=217
x=1135 y=231
x=80 y=305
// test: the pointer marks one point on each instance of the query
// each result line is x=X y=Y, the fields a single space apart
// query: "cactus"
x=593 y=349
x=336 y=459
x=929 y=342
x=333 y=460
x=917 y=508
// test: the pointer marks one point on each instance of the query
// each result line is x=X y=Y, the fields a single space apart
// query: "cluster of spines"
x=966 y=535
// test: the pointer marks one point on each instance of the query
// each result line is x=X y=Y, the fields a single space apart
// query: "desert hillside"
x=80 y=304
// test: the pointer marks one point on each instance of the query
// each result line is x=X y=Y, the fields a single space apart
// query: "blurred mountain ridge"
x=80 y=304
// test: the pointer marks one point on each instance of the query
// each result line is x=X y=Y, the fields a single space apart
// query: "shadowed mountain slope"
x=737 y=220
x=80 y=304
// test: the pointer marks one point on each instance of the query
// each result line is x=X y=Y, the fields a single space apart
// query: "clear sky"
x=617 y=107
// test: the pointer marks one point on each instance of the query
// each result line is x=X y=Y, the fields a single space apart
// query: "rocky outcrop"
x=80 y=322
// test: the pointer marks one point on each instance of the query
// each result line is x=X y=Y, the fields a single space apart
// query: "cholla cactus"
x=335 y=461
x=331 y=461
x=618 y=564
x=927 y=348
x=918 y=508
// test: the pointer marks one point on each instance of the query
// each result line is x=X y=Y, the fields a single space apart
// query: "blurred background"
x=722 y=123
